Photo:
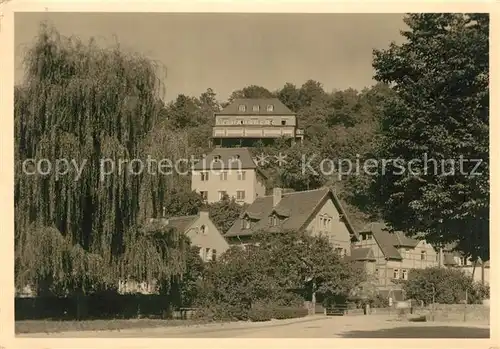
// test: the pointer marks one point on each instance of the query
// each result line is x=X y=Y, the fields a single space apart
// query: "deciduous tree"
x=441 y=112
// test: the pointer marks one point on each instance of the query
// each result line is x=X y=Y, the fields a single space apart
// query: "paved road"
x=373 y=326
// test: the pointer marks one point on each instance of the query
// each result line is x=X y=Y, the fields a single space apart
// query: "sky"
x=229 y=51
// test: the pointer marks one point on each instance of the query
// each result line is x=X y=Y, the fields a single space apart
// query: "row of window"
x=404 y=274
x=243 y=107
x=241 y=175
x=267 y=122
x=208 y=254
x=325 y=223
x=240 y=194
x=396 y=274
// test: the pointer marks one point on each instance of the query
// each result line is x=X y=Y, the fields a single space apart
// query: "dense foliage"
x=447 y=285
x=281 y=270
x=440 y=112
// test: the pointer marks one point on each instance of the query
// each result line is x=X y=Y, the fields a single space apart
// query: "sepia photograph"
x=251 y=175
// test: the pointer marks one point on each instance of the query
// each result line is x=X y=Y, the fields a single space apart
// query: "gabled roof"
x=297 y=209
x=362 y=254
x=230 y=158
x=179 y=223
x=278 y=107
x=387 y=241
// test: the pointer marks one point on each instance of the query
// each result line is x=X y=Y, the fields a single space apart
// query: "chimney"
x=277 y=195
x=440 y=257
x=203 y=213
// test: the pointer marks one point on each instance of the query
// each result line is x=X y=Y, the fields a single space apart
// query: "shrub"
x=260 y=314
x=450 y=286
x=379 y=302
x=288 y=312
x=263 y=313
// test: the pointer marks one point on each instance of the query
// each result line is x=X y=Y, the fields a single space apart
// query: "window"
x=214 y=255
x=242 y=107
x=422 y=256
x=396 y=274
x=338 y=251
x=283 y=122
x=461 y=261
x=207 y=253
x=216 y=157
x=204 y=195
x=204 y=176
x=247 y=224
x=274 y=221
x=270 y=107
x=223 y=176
x=240 y=195
x=255 y=108
x=405 y=274
x=221 y=194
x=203 y=229
x=241 y=175
x=368 y=236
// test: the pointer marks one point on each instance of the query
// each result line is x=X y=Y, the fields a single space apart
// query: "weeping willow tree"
x=84 y=104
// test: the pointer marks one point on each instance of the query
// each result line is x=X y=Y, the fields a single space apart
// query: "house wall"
x=211 y=240
x=387 y=270
x=253 y=185
x=337 y=231
x=420 y=257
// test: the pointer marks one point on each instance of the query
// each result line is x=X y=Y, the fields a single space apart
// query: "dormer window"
x=242 y=107
x=256 y=108
x=270 y=107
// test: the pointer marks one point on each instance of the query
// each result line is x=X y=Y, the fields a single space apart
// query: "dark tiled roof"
x=362 y=254
x=230 y=158
x=385 y=240
x=297 y=209
x=179 y=223
x=405 y=241
x=278 y=107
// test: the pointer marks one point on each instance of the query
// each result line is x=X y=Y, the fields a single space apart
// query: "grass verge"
x=54 y=326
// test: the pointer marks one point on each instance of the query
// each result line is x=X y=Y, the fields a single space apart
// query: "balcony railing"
x=254 y=132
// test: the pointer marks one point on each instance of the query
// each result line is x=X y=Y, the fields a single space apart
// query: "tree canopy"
x=440 y=112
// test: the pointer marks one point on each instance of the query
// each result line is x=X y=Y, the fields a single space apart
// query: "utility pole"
x=433 y=301
x=465 y=305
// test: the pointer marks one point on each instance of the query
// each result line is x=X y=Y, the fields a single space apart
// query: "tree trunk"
x=474 y=269
x=482 y=273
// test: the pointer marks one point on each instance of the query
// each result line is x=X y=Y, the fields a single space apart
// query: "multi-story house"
x=454 y=259
x=317 y=211
x=228 y=171
x=203 y=234
x=246 y=121
x=389 y=256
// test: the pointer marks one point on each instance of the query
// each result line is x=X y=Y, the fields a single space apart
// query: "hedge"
x=280 y=313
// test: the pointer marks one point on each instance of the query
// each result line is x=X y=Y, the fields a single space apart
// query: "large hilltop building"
x=246 y=121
